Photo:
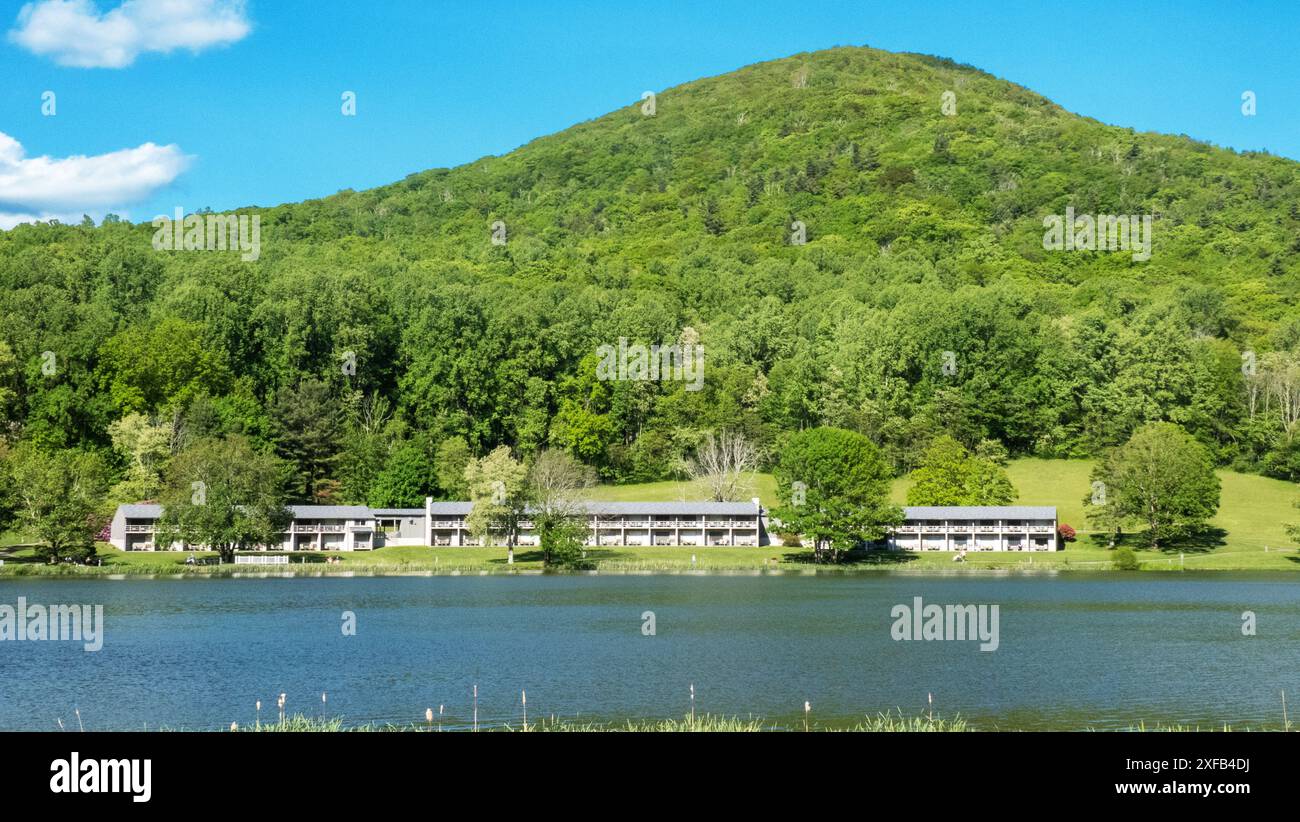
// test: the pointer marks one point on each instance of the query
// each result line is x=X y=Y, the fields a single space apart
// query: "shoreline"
x=773 y=560
x=117 y=574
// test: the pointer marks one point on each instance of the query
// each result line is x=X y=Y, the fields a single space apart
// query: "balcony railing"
x=963 y=528
x=139 y=529
x=667 y=523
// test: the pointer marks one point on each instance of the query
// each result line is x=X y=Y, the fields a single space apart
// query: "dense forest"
x=855 y=237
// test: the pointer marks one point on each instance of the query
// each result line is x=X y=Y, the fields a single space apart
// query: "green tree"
x=1101 y=514
x=8 y=494
x=226 y=496
x=146 y=368
x=449 y=463
x=408 y=477
x=59 y=499
x=497 y=487
x=950 y=475
x=1162 y=477
x=146 y=446
x=366 y=448
x=8 y=389
x=834 y=490
x=555 y=483
x=309 y=428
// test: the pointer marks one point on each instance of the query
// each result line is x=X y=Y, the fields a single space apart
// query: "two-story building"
x=975 y=528
x=702 y=524
x=359 y=528
x=312 y=528
x=627 y=523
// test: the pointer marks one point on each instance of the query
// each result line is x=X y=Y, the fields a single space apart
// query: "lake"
x=1074 y=650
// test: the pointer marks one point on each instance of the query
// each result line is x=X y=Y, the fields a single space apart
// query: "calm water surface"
x=1075 y=651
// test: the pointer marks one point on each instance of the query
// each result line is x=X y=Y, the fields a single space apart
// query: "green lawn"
x=1249 y=535
x=762 y=486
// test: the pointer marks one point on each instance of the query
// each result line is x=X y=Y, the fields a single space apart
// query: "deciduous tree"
x=950 y=475
x=834 y=489
x=497 y=487
x=1163 y=478
x=225 y=496
x=60 y=497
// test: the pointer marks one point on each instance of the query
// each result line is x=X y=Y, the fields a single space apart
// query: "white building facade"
x=616 y=524
x=627 y=523
x=976 y=528
x=313 y=528
x=359 y=528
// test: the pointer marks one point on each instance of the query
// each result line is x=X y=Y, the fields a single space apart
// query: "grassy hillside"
x=760 y=485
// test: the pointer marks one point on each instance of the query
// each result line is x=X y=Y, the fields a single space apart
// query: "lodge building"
x=702 y=524
x=975 y=528
x=313 y=528
x=358 y=528
x=628 y=523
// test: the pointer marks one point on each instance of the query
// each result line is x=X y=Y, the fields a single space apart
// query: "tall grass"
x=700 y=723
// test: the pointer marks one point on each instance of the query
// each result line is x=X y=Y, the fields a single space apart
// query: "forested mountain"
x=922 y=301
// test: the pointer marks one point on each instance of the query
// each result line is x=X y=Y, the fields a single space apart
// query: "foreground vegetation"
x=702 y=723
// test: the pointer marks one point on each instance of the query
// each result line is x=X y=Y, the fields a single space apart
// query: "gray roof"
x=615 y=508
x=140 y=510
x=330 y=512
x=682 y=508
x=299 y=511
x=980 y=512
x=452 y=508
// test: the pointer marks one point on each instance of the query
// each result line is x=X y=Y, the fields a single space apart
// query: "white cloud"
x=76 y=33
x=33 y=188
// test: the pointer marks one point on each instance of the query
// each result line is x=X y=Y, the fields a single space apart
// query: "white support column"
x=428 y=521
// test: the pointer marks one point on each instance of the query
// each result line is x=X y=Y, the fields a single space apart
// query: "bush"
x=1067 y=533
x=1126 y=560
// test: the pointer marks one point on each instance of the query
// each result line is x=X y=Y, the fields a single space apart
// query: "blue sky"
x=239 y=104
